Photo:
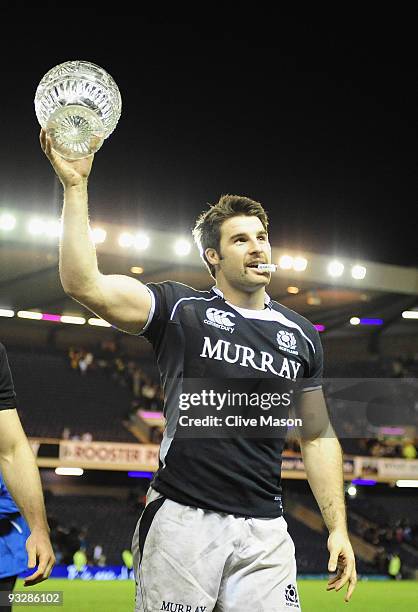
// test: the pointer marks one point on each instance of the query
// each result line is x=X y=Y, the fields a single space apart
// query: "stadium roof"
x=29 y=281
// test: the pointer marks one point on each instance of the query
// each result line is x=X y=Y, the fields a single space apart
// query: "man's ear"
x=212 y=256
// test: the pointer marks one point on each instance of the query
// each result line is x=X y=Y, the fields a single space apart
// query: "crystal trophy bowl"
x=78 y=104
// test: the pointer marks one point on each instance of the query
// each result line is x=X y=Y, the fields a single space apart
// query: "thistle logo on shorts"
x=291 y=596
x=287 y=341
x=220 y=319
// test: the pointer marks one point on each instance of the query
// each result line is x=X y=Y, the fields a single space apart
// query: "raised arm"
x=118 y=299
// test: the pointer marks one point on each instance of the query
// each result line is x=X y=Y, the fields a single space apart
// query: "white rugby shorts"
x=192 y=560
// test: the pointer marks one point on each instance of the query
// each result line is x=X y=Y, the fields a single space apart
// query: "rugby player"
x=213 y=535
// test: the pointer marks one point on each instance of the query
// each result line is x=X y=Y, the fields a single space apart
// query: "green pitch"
x=118 y=596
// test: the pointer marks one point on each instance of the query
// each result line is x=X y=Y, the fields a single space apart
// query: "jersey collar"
x=267 y=299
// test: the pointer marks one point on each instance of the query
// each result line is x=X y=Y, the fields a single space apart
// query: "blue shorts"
x=13 y=555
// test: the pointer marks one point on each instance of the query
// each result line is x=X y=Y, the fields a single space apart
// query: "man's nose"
x=255 y=246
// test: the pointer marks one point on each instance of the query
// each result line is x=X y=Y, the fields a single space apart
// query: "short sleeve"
x=7 y=392
x=313 y=378
x=165 y=298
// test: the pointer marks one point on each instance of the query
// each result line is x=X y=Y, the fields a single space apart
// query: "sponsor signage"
x=105 y=455
x=88 y=572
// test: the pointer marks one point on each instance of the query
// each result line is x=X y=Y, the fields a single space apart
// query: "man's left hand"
x=341 y=559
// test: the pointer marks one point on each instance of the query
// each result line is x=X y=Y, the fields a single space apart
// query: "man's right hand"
x=71 y=173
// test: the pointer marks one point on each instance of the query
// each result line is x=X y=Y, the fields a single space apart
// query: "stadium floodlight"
x=137 y=270
x=335 y=268
x=410 y=314
x=358 y=272
x=53 y=228
x=182 y=247
x=27 y=314
x=313 y=299
x=392 y=431
x=355 y=321
x=294 y=290
x=98 y=322
x=98 y=235
x=300 y=264
x=36 y=226
x=352 y=491
x=51 y=317
x=363 y=482
x=141 y=241
x=6 y=313
x=69 y=471
x=150 y=414
x=407 y=483
x=7 y=222
x=286 y=262
x=371 y=321
x=126 y=240
x=73 y=320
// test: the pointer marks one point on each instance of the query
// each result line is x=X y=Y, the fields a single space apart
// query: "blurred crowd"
x=67 y=434
x=72 y=547
x=388 y=539
x=67 y=541
x=403 y=449
x=404 y=366
x=147 y=394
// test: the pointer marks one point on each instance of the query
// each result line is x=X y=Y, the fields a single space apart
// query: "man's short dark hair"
x=207 y=229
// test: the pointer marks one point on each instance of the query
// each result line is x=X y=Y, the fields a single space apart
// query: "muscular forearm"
x=78 y=262
x=324 y=468
x=21 y=476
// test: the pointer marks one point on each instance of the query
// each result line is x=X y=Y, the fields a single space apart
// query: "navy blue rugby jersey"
x=198 y=335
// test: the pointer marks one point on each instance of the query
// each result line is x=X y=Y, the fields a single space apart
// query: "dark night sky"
x=315 y=121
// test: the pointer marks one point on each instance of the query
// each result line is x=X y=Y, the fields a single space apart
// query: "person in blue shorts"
x=14 y=531
x=24 y=531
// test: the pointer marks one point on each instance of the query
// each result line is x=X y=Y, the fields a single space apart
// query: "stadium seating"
x=311 y=545
x=384 y=509
x=52 y=397
x=110 y=522
x=311 y=550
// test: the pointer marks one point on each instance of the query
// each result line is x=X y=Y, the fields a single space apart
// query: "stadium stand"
x=374 y=520
x=52 y=397
x=311 y=550
x=71 y=392
x=91 y=520
x=90 y=392
x=86 y=520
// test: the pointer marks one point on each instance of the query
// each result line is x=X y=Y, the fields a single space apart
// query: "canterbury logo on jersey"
x=220 y=319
